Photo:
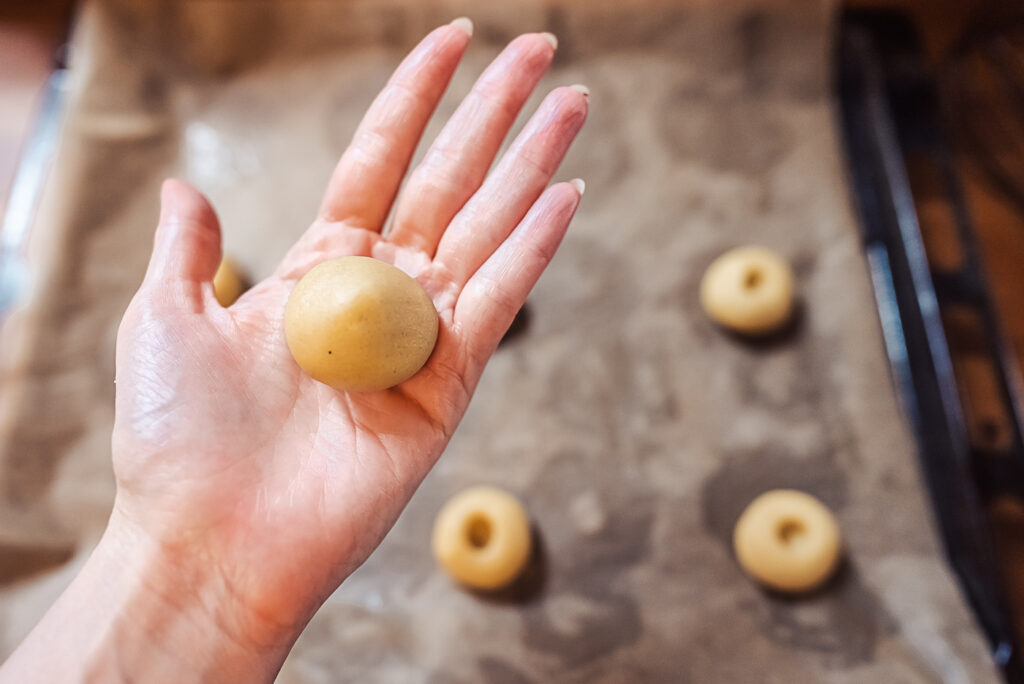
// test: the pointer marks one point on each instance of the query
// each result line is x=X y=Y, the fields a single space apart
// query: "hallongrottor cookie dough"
x=749 y=290
x=787 y=540
x=482 y=538
x=228 y=283
x=359 y=324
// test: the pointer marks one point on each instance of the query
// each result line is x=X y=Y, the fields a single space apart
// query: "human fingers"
x=186 y=246
x=508 y=193
x=365 y=181
x=456 y=163
x=498 y=289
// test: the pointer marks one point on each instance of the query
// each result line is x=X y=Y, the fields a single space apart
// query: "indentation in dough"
x=478 y=530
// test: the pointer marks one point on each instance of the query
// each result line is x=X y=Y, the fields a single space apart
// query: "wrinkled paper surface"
x=633 y=429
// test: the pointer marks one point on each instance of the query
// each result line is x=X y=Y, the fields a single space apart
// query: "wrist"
x=143 y=611
x=171 y=607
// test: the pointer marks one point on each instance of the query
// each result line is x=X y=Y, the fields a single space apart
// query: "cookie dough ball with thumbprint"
x=750 y=290
x=482 y=538
x=788 y=541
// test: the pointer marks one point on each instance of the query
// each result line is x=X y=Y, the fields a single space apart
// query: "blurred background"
x=877 y=144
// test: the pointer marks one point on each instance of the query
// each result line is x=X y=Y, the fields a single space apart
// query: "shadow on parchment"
x=529 y=586
x=778 y=338
x=520 y=324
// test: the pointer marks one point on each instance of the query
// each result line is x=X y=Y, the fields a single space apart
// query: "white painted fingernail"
x=465 y=24
x=580 y=88
x=580 y=186
x=551 y=38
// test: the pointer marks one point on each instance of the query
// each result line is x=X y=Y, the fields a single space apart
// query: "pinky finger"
x=498 y=289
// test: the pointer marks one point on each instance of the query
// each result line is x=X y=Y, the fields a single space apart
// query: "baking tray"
x=633 y=429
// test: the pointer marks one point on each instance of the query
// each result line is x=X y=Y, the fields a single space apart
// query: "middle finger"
x=518 y=180
x=458 y=160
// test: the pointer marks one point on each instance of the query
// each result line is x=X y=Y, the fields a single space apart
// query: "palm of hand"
x=252 y=448
x=225 y=449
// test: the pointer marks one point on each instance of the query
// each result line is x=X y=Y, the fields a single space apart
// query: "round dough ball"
x=359 y=324
x=228 y=283
x=749 y=290
x=482 y=538
x=787 y=540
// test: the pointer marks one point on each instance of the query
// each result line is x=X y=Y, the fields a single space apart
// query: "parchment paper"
x=632 y=428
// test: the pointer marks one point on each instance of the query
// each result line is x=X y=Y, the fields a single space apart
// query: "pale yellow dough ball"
x=482 y=538
x=749 y=290
x=228 y=282
x=787 y=540
x=359 y=324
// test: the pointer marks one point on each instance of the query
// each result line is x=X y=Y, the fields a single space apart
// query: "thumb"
x=186 y=247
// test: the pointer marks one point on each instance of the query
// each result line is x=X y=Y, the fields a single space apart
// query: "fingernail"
x=580 y=88
x=465 y=24
x=580 y=186
x=551 y=38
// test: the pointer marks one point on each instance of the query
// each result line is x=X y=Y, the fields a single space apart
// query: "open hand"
x=240 y=470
